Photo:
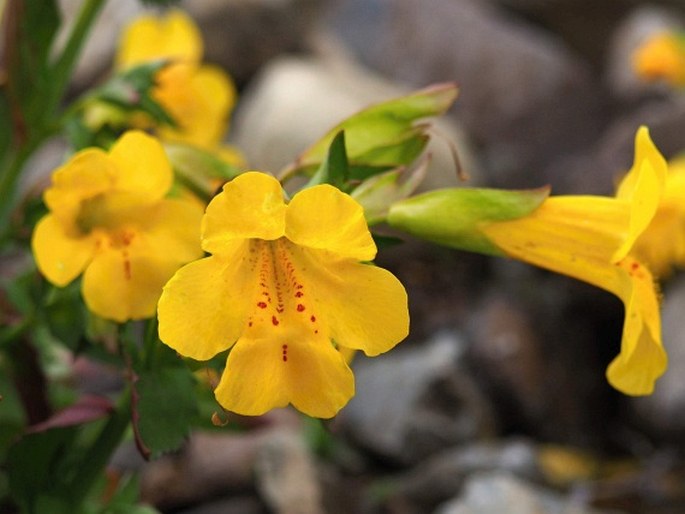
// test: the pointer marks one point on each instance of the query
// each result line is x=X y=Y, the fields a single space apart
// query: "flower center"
x=282 y=301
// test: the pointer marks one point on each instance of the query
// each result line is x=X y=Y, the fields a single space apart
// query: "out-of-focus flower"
x=590 y=238
x=109 y=219
x=286 y=287
x=199 y=97
x=661 y=57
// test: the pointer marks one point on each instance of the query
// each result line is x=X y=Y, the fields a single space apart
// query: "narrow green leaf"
x=453 y=217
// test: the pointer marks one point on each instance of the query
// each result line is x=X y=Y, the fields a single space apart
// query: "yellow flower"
x=198 y=97
x=592 y=239
x=285 y=285
x=661 y=57
x=109 y=219
x=662 y=244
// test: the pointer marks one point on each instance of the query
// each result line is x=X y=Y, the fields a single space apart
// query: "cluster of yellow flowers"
x=288 y=285
x=661 y=57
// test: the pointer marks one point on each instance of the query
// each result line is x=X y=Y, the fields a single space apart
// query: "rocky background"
x=497 y=402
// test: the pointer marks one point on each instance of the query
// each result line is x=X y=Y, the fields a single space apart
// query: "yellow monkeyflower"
x=110 y=221
x=593 y=239
x=286 y=284
x=662 y=244
x=199 y=97
x=661 y=57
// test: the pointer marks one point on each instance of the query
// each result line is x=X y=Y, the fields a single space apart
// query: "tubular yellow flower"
x=592 y=239
x=198 y=97
x=661 y=57
x=109 y=219
x=285 y=285
x=662 y=245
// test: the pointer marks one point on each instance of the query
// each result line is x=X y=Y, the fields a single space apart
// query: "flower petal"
x=250 y=206
x=643 y=187
x=174 y=36
x=173 y=229
x=262 y=374
x=573 y=235
x=323 y=217
x=125 y=282
x=363 y=306
x=60 y=257
x=143 y=167
x=642 y=358
x=87 y=174
x=203 y=309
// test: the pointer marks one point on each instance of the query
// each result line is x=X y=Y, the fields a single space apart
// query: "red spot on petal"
x=300 y=307
x=285 y=346
x=634 y=266
x=261 y=305
x=312 y=319
x=299 y=294
x=285 y=358
x=274 y=320
x=127 y=267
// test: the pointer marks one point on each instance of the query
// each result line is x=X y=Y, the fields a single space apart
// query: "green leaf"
x=334 y=169
x=164 y=408
x=33 y=464
x=453 y=217
x=383 y=136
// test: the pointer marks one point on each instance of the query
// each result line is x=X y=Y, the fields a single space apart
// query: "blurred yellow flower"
x=593 y=239
x=661 y=57
x=285 y=285
x=662 y=245
x=110 y=221
x=199 y=97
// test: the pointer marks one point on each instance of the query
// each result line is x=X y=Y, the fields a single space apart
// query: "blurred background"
x=497 y=401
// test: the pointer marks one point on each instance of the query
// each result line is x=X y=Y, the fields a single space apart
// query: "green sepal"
x=199 y=170
x=377 y=193
x=454 y=217
x=334 y=169
x=381 y=137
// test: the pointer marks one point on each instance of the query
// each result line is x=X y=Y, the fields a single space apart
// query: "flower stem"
x=101 y=450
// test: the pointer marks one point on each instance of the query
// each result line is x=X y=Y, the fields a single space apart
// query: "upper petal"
x=250 y=206
x=60 y=257
x=643 y=187
x=174 y=36
x=642 y=358
x=262 y=374
x=324 y=217
x=142 y=165
x=87 y=174
x=203 y=309
x=173 y=228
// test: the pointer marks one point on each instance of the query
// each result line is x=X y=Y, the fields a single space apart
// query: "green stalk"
x=91 y=468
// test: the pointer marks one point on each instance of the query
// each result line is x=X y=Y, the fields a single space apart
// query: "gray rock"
x=295 y=101
x=497 y=492
x=286 y=475
x=416 y=401
x=525 y=98
x=440 y=477
x=663 y=412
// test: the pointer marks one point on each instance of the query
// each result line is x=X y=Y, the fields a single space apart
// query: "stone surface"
x=416 y=401
x=526 y=99
x=286 y=475
x=295 y=101
x=496 y=493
